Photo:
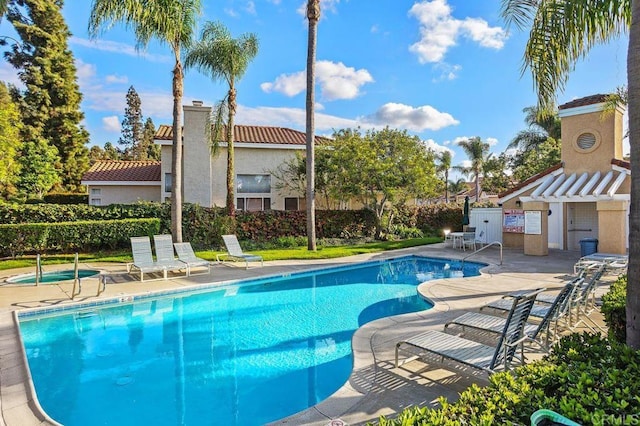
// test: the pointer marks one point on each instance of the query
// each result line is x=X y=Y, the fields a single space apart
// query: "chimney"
x=197 y=103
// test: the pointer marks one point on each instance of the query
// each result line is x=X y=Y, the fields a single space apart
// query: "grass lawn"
x=275 y=254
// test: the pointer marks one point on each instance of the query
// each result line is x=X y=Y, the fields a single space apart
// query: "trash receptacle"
x=588 y=246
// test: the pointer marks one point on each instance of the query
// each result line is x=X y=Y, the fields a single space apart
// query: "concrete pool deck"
x=375 y=386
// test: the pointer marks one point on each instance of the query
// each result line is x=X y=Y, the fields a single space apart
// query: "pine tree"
x=150 y=150
x=50 y=104
x=132 y=127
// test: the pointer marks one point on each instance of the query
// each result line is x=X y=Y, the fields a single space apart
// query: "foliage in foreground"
x=614 y=309
x=586 y=378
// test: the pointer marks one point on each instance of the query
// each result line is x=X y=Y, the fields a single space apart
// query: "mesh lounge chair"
x=143 y=258
x=558 y=309
x=234 y=252
x=614 y=263
x=186 y=255
x=164 y=253
x=472 y=353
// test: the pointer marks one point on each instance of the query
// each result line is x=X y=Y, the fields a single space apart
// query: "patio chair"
x=186 y=255
x=143 y=258
x=234 y=252
x=164 y=253
x=469 y=240
x=614 y=263
x=475 y=354
x=534 y=332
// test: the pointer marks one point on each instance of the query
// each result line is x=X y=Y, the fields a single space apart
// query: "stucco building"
x=586 y=196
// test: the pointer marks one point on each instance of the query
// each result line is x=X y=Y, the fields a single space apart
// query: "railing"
x=483 y=248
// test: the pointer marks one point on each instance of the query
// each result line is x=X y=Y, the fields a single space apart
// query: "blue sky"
x=442 y=69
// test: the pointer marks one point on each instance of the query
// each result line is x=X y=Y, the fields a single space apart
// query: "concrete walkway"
x=375 y=387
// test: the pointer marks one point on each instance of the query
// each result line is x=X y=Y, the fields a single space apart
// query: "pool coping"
x=20 y=407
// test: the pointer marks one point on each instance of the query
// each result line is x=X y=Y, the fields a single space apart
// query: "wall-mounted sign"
x=513 y=221
x=533 y=222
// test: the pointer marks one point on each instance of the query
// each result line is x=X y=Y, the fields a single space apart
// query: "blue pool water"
x=243 y=354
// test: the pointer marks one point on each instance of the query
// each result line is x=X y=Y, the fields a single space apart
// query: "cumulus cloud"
x=491 y=141
x=439 y=31
x=116 y=79
x=437 y=148
x=336 y=80
x=111 y=123
x=116 y=47
x=407 y=117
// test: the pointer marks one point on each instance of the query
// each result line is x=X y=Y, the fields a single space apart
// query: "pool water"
x=243 y=354
x=53 y=277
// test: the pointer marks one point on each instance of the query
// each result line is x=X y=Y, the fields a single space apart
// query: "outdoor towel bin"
x=588 y=246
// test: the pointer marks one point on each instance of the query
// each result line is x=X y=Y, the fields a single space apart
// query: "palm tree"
x=224 y=58
x=542 y=125
x=313 y=15
x=169 y=21
x=456 y=187
x=445 y=165
x=575 y=26
x=477 y=151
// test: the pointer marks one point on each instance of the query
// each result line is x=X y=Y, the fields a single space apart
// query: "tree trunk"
x=313 y=14
x=633 y=284
x=446 y=186
x=176 y=154
x=230 y=153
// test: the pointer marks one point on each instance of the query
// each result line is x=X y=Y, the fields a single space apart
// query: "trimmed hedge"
x=614 y=309
x=66 y=198
x=431 y=219
x=586 y=378
x=73 y=236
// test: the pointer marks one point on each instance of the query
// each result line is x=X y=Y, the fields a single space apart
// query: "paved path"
x=375 y=387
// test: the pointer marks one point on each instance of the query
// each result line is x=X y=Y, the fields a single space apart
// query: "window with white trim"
x=253 y=204
x=253 y=184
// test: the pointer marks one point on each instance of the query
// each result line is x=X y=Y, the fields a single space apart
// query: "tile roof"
x=253 y=134
x=587 y=100
x=123 y=171
x=621 y=163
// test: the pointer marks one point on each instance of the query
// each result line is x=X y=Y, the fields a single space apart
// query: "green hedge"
x=431 y=219
x=586 y=378
x=66 y=198
x=73 y=236
x=614 y=304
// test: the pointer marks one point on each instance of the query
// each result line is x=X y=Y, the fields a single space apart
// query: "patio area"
x=374 y=388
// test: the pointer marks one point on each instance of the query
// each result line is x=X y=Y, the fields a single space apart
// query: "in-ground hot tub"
x=52 y=276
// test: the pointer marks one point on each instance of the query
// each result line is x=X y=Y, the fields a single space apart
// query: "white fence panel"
x=489 y=222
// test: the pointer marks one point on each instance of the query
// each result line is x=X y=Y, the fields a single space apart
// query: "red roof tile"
x=621 y=163
x=123 y=171
x=253 y=134
x=587 y=100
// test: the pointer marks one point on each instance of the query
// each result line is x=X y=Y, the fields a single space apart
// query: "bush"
x=586 y=378
x=431 y=219
x=73 y=236
x=614 y=309
x=66 y=198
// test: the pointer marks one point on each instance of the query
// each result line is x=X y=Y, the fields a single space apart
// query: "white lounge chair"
x=143 y=258
x=472 y=353
x=614 y=263
x=186 y=255
x=164 y=253
x=234 y=252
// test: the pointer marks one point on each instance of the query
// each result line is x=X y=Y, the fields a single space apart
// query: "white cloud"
x=447 y=72
x=491 y=141
x=465 y=164
x=435 y=147
x=111 y=124
x=9 y=74
x=439 y=31
x=116 y=47
x=325 y=6
x=336 y=80
x=250 y=7
x=116 y=79
x=407 y=117
x=84 y=71
x=231 y=12
x=291 y=117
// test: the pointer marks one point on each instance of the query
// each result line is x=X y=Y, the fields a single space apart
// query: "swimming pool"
x=241 y=354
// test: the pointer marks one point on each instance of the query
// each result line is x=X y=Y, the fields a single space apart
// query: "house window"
x=95 y=201
x=294 y=203
x=168 y=182
x=95 y=191
x=253 y=184
x=253 y=204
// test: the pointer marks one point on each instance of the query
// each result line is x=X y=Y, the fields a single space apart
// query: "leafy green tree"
x=149 y=150
x=477 y=151
x=172 y=22
x=457 y=186
x=50 y=104
x=224 y=58
x=132 y=126
x=313 y=16
x=37 y=168
x=525 y=164
x=542 y=125
x=110 y=152
x=494 y=174
x=444 y=165
x=574 y=27
x=382 y=169
x=10 y=142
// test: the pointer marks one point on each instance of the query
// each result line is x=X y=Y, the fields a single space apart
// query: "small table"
x=457 y=236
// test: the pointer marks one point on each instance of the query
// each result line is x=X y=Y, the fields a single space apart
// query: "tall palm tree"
x=224 y=58
x=457 y=186
x=575 y=26
x=313 y=15
x=542 y=125
x=169 y=21
x=477 y=151
x=443 y=168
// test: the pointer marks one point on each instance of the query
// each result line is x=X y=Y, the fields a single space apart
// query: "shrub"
x=614 y=309
x=66 y=198
x=586 y=378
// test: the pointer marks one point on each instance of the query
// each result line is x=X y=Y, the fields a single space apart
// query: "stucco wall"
x=124 y=194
